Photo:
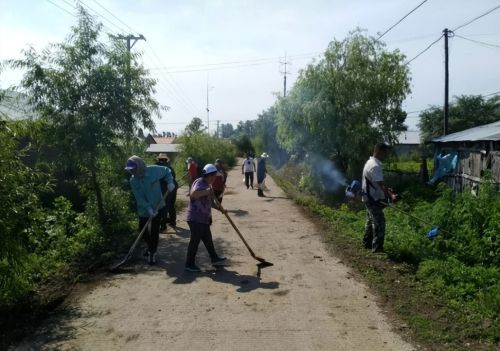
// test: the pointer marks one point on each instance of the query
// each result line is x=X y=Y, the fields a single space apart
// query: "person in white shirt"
x=375 y=194
x=248 y=169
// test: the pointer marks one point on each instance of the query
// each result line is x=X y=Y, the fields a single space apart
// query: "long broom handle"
x=235 y=228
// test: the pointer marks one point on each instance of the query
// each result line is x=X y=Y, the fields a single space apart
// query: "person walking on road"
x=219 y=184
x=199 y=218
x=168 y=214
x=145 y=184
x=192 y=172
x=261 y=174
x=375 y=192
x=248 y=169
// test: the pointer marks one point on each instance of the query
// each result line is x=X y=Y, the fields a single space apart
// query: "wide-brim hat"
x=264 y=155
x=162 y=156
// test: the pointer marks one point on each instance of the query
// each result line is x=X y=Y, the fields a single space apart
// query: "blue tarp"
x=445 y=164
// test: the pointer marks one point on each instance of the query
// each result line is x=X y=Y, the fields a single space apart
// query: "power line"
x=398 y=22
x=111 y=13
x=476 y=18
x=478 y=41
x=56 y=5
x=427 y=48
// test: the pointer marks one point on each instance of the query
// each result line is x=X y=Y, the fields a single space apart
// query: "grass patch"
x=443 y=294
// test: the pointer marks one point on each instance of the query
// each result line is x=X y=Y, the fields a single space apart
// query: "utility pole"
x=218 y=128
x=208 y=108
x=130 y=45
x=446 y=80
x=284 y=75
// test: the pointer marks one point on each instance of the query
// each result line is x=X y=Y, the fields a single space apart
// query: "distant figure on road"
x=168 y=213
x=192 y=171
x=219 y=184
x=261 y=174
x=248 y=169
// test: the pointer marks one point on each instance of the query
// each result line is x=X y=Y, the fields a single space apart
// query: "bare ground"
x=308 y=300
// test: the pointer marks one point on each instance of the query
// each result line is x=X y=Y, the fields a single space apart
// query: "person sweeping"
x=199 y=218
x=261 y=174
x=145 y=184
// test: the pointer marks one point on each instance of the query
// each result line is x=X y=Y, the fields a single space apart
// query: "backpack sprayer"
x=355 y=190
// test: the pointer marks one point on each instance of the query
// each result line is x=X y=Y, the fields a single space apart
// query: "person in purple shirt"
x=199 y=218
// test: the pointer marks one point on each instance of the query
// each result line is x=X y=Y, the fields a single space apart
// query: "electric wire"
x=398 y=22
x=476 y=18
x=478 y=42
x=427 y=48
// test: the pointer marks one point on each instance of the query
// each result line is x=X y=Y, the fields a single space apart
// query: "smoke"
x=331 y=178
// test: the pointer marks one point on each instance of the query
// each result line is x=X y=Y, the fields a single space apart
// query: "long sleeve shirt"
x=147 y=190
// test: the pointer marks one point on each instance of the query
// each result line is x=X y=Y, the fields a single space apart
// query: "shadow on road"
x=172 y=255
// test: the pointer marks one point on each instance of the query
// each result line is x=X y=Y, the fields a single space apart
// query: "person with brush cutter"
x=145 y=184
x=199 y=218
x=374 y=196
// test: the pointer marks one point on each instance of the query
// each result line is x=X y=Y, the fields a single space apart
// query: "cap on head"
x=219 y=161
x=130 y=165
x=381 y=147
x=209 y=169
x=264 y=155
x=162 y=156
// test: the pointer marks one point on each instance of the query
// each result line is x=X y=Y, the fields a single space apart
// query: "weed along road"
x=307 y=301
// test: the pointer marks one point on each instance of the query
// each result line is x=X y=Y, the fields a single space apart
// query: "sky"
x=229 y=54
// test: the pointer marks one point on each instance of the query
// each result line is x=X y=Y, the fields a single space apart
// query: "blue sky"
x=197 y=36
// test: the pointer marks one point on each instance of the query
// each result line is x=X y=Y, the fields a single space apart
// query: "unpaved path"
x=307 y=301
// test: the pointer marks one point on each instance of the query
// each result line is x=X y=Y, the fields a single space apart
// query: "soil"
x=309 y=300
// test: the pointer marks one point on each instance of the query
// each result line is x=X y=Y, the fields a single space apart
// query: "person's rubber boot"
x=260 y=193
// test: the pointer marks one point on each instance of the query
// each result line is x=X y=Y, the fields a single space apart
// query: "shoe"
x=192 y=268
x=219 y=261
x=173 y=224
x=152 y=258
x=378 y=250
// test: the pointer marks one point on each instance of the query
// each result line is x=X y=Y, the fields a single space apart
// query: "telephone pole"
x=447 y=33
x=131 y=40
x=218 y=128
x=284 y=75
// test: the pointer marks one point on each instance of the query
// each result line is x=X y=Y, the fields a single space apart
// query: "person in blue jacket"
x=145 y=184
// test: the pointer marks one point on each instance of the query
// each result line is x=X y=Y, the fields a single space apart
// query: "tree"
x=343 y=104
x=91 y=98
x=195 y=126
x=266 y=132
x=466 y=112
x=227 y=130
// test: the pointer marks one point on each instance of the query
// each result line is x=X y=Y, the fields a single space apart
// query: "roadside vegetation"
x=67 y=210
x=446 y=290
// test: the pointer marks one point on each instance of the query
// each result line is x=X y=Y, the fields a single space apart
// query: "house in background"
x=477 y=150
x=408 y=144
x=163 y=143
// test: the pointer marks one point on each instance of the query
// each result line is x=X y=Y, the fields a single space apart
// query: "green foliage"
x=342 y=105
x=89 y=96
x=464 y=113
x=243 y=145
x=195 y=126
x=204 y=149
x=18 y=203
x=460 y=268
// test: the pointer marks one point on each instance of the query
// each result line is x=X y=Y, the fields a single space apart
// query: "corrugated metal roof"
x=487 y=132
x=157 y=148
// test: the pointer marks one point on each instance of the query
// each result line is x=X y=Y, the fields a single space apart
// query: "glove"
x=171 y=187
x=152 y=213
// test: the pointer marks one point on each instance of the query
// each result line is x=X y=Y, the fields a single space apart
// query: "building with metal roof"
x=478 y=151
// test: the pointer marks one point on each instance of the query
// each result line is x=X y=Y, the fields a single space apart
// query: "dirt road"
x=307 y=301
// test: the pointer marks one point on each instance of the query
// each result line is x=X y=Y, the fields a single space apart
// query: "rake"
x=263 y=262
